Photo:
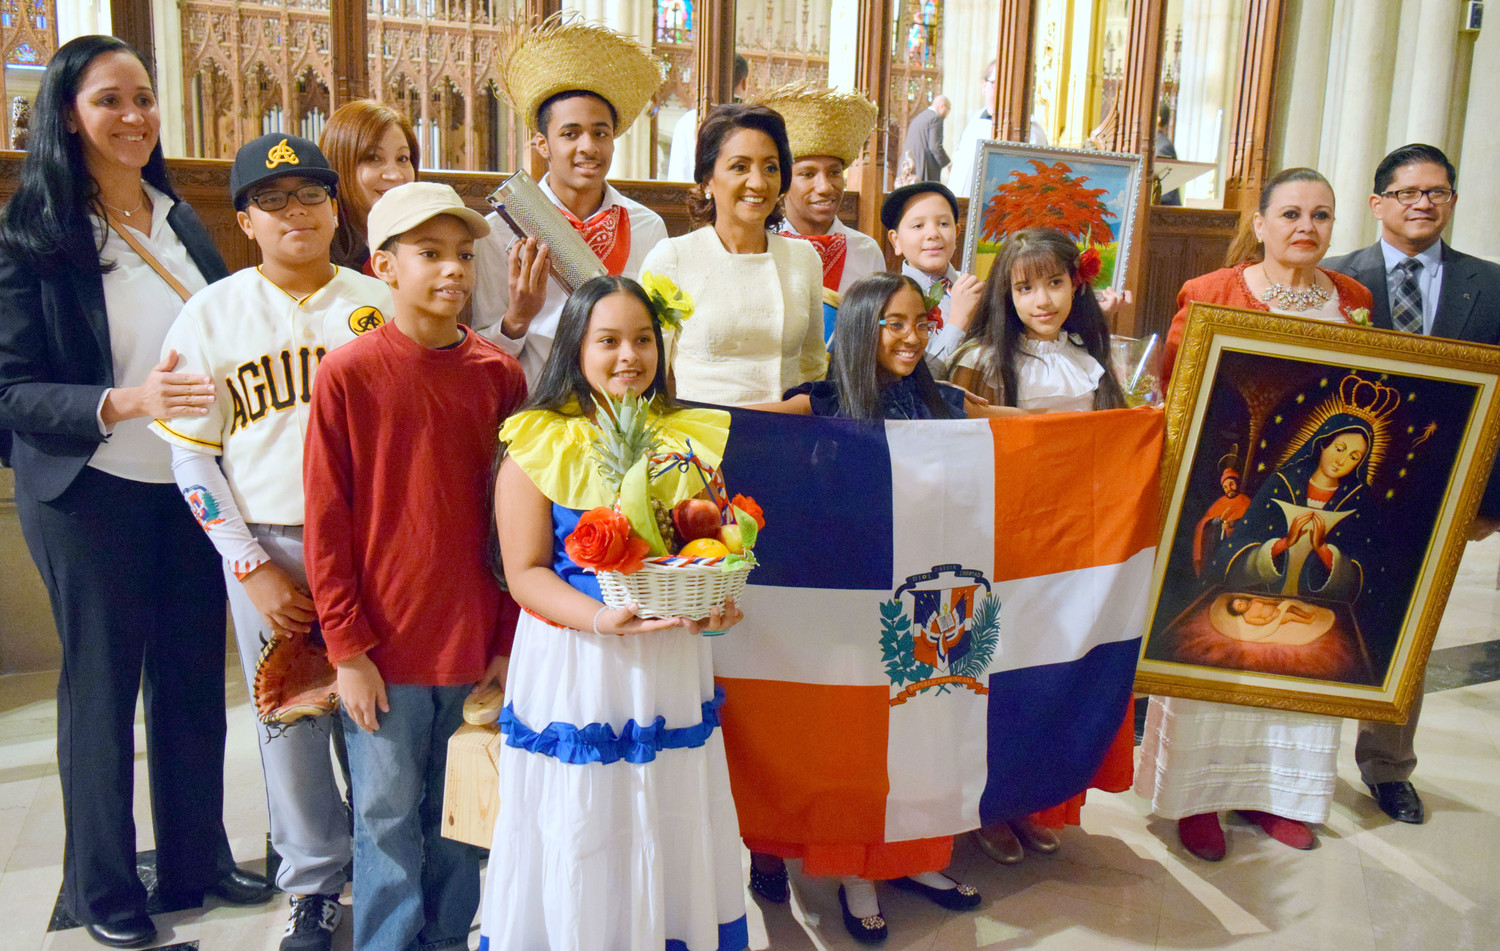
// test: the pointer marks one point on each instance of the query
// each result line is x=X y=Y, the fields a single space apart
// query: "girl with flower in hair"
x=618 y=829
x=1039 y=341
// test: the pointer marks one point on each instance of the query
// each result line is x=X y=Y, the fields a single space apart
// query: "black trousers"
x=138 y=597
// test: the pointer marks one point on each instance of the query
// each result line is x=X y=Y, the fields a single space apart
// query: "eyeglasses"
x=307 y=195
x=900 y=327
x=1410 y=196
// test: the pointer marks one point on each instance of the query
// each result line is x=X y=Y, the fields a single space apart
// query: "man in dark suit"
x=1420 y=285
x=924 y=141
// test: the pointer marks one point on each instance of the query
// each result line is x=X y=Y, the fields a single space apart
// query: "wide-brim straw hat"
x=563 y=54
x=821 y=121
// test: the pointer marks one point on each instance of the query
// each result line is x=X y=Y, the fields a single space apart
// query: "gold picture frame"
x=1318 y=482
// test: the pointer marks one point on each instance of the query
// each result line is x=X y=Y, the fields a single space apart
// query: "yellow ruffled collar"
x=552 y=448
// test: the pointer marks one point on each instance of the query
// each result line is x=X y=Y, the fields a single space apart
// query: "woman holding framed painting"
x=1199 y=758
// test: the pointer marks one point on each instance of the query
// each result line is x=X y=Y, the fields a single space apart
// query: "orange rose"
x=603 y=541
x=751 y=508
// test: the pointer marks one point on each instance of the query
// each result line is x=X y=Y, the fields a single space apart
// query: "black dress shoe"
x=868 y=930
x=1400 y=801
x=240 y=887
x=958 y=898
x=134 y=932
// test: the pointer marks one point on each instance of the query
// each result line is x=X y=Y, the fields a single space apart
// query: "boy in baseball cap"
x=261 y=334
x=399 y=452
x=922 y=223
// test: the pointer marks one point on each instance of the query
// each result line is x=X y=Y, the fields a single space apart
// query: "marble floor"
x=1120 y=881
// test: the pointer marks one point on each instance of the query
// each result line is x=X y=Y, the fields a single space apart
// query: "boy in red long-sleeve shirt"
x=397 y=467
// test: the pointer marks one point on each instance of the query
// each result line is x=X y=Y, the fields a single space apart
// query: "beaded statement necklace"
x=1295 y=298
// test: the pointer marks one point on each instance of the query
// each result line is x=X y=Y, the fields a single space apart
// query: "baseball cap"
x=895 y=203
x=406 y=206
x=275 y=155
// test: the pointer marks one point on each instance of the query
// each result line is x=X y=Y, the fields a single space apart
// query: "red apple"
x=696 y=518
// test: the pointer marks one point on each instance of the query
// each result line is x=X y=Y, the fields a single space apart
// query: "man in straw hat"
x=827 y=130
x=580 y=86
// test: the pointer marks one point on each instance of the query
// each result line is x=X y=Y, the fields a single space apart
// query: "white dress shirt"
x=492 y=288
x=141 y=308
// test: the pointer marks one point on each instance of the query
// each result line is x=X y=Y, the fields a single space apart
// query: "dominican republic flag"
x=945 y=621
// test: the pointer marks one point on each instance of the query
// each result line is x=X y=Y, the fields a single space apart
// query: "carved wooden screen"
x=254 y=66
x=28 y=37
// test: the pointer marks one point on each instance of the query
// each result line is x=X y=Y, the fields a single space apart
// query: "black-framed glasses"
x=1410 y=196
x=901 y=327
x=307 y=195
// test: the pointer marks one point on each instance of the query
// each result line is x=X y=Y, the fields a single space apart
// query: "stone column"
x=1364 y=91
x=1432 y=73
x=1478 y=207
x=1304 y=79
x=170 y=90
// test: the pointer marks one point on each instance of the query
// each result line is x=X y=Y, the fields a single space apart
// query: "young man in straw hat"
x=826 y=130
x=580 y=87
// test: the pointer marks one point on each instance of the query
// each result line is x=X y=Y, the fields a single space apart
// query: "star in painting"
x=1323 y=382
x=1410 y=456
x=1390 y=494
x=1278 y=419
x=1411 y=397
x=1401 y=474
x=1411 y=429
x=1300 y=397
x=1261 y=467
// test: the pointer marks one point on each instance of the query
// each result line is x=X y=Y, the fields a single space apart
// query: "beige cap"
x=406 y=206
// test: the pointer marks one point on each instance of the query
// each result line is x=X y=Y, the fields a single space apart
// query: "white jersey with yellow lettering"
x=261 y=346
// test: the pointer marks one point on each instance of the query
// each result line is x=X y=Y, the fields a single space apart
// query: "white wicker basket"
x=674 y=590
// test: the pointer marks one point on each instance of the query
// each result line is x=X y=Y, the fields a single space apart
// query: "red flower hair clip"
x=1088 y=268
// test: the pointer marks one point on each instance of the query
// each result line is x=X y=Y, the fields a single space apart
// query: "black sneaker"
x=312 y=924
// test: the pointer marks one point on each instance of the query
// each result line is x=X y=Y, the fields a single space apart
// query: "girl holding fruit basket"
x=618 y=829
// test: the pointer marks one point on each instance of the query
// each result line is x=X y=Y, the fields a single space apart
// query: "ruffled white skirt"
x=616 y=826
x=1201 y=757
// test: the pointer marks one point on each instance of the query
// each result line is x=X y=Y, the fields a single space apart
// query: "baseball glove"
x=293 y=680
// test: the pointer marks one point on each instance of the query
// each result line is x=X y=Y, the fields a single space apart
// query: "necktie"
x=1406 y=299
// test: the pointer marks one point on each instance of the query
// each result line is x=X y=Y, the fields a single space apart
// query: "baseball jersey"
x=262 y=346
x=492 y=288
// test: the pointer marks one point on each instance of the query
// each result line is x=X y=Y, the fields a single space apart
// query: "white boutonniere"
x=1360 y=316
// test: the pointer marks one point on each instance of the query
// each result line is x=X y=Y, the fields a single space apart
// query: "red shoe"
x=1286 y=831
x=1202 y=836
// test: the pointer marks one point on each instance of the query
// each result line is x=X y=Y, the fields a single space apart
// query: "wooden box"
x=471 y=787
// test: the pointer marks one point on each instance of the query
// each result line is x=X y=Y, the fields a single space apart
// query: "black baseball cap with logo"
x=273 y=156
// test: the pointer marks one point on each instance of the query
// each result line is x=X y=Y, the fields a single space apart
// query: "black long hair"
x=562 y=379
x=1034 y=253
x=46 y=224
x=856 y=340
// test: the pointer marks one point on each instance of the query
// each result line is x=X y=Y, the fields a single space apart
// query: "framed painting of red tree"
x=1089 y=196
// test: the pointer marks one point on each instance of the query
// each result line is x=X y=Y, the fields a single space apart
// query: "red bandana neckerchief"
x=607 y=234
x=833 y=249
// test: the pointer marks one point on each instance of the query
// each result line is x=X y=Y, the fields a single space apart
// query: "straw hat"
x=823 y=122
x=538 y=62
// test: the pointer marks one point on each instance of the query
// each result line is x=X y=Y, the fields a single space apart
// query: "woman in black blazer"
x=135 y=585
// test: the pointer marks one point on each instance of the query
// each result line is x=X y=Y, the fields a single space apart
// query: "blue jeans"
x=413 y=889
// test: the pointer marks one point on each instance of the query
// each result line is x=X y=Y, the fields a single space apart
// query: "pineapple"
x=624 y=435
x=623 y=445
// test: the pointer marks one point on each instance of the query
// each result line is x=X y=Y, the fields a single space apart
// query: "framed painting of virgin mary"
x=1319 y=482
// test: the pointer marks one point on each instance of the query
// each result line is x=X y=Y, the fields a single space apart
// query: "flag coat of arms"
x=945 y=622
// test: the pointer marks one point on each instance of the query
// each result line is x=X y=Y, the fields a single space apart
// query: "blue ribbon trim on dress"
x=598 y=742
x=733 y=936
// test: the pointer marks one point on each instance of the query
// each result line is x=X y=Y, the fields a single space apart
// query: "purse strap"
x=136 y=246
